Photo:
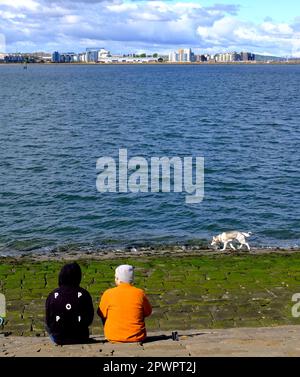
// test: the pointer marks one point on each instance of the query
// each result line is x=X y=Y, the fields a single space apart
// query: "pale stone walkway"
x=278 y=341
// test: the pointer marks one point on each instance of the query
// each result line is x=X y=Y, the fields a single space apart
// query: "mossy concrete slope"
x=220 y=291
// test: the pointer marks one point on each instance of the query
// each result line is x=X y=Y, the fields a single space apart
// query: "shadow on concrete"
x=157 y=338
x=93 y=340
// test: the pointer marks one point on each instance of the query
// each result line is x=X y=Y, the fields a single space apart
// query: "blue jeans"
x=52 y=338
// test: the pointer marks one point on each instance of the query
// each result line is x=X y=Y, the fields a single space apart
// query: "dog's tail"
x=249 y=234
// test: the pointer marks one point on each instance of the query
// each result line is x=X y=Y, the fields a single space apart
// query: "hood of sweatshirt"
x=70 y=275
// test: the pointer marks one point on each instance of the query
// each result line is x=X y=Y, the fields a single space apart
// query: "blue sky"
x=259 y=10
x=261 y=26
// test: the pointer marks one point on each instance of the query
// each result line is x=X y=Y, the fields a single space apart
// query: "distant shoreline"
x=157 y=64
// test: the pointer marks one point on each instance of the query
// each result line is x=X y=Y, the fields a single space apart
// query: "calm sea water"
x=55 y=121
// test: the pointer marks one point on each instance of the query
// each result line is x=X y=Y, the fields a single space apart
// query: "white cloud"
x=136 y=25
x=233 y=34
x=272 y=28
x=6 y=15
x=20 y=4
x=122 y=8
x=72 y=19
x=219 y=30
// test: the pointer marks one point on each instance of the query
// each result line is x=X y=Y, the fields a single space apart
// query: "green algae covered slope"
x=186 y=292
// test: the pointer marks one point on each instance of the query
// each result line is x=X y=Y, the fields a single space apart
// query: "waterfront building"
x=173 y=57
x=201 y=58
x=103 y=55
x=129 y=59
x=183 y=55
x=14 y=58
x=56 y=57
x=247 y=56
x=67 y=57
x=81 y=57
x=92 y=55
x=64 y=57
x=38 y=57
x=227 y=57
x=209 y=58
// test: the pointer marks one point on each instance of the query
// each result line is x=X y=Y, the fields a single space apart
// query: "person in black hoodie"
x=69 y=308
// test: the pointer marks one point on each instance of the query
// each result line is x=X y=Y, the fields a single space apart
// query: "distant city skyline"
x=264 y=27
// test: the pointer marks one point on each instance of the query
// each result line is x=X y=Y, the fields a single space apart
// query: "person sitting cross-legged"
x=123 y=309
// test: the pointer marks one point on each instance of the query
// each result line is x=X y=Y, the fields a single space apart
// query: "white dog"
x=229 y=237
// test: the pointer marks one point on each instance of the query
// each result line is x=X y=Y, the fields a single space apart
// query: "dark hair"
x=70 y=275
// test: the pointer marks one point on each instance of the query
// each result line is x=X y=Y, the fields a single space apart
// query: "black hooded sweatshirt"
x=69 y=308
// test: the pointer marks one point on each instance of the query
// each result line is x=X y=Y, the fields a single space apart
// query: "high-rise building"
x=173 y=57
x=227 y=57
x=64 y=57
x=92 y=55
x=183 y=55
x=82 y=57
x=56 y=57
x=247 y=56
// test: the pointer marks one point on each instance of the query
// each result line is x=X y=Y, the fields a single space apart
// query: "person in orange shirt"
x=123 y=309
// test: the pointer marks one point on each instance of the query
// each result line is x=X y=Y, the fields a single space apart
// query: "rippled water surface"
x=55 y=121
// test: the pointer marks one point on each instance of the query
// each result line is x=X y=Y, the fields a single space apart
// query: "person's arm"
x=49 y=313
x=147 y=308
x=101 y=316
x=102 y=308
x=89 y=309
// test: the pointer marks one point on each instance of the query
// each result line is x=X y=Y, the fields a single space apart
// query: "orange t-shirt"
x=124 y=309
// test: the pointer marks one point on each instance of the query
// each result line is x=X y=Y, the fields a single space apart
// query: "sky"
x=269 y=27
